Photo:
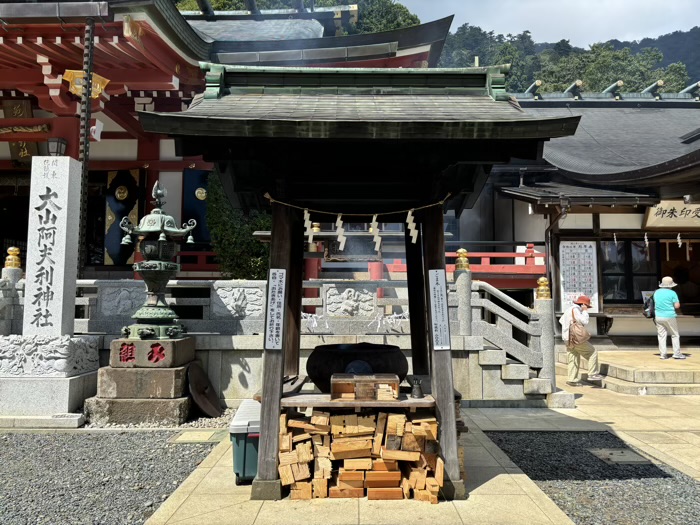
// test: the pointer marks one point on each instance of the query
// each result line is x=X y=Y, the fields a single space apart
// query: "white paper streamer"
x=680 y=242
x=339 y=230
x=375 y=229
x=307 y=224
x=412 y=227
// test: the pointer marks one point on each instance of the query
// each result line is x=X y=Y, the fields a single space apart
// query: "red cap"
x=583 y=300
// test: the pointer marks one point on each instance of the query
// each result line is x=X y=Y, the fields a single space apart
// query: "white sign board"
x=578 y=263
x=672 y=215
x=440 y=322
x=52 y=247
x=647 y=294
x=274 y=323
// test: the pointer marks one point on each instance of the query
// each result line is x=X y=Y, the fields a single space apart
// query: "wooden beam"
x=266 y=484
x=441 y=370
x=416 y=300
x=129 y=123
x=292 y=342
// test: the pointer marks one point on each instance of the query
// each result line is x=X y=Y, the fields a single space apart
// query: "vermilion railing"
x=197 y=262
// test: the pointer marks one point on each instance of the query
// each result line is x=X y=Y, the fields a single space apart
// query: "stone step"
x=537 y=386
x=650 y=389
x=515 y=370
x=644 y=375
x=492 y=357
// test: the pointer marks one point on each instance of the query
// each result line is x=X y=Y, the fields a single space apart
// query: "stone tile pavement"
x=665 y=428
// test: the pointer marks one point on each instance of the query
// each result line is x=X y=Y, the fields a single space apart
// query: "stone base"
x=166 y=412
x=454 y=490
x=151 y=353
x=561 y=399
x=55 y=421
x=45 y=396
x=141 y=383
x=266 y=490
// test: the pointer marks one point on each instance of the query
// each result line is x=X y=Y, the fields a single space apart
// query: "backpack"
x=649 y=308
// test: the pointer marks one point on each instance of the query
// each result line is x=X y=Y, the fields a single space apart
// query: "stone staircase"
x=641 y=372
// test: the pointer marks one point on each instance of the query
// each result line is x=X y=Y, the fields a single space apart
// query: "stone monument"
x=46 y=373
x=146 y=378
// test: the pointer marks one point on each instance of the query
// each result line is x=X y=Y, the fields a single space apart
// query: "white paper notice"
x=578 y=263
x=274 y=325
x=440 y=323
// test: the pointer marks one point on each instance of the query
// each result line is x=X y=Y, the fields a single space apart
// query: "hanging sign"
x=274 y=323
x=672 y=215
x=579 y=272
x=439 y=320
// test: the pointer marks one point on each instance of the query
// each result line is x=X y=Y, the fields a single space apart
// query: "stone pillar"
x=46 y=371
x=545 y=309
x=463 y=282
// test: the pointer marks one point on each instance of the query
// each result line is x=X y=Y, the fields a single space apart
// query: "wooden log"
x=286 y=442
x=385 y=493
x=301 y=471
x=323 y=468
x=288 y=458
x=351 y=475
x=320 y=418
x=409 y=443
x=286 y=474
x=400 y=455
x=304 y=452
x=440 y=471
x=385 y=465
x=379 y=433
x=301 y=490
x=337 y=492
x=320 y=488
x=358 y=464
x=352 y=484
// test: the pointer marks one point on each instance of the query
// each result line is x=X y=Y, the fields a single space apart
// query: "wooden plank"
x=301 y=490
x=417 y=478
x=286 y=474
x=286 y=442
x=385 y=465
x=288 y=458
x=352 y=484
x=336 y=492
x=400 y=455
x=337 y=424
x=351 y=475
x=366 y=425
x=323 y=468
x=304 y=452
x=320 y=488
x=432 y=485
x=409 y=443
x=383 y=476
x=350 y=454
x=395 y=424
x=385 y=493
x=442 y=378
x=320 y=418
x=351 y=425
x=440 y=471
x=420 y=356
x=324 y=401
x=358 y=464
x=406 y=488
x=393 y=442
x=295 y=277
x=301 y=471
x=382 y=483
x=379 y=433
x=285 y=221
x=301 y=437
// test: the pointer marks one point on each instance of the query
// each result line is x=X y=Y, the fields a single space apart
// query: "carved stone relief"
x=121 y=301
x=38 y=355
x=238 y=302
x=349 y=302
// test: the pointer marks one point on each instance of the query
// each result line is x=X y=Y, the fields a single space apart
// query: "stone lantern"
x=157 y=236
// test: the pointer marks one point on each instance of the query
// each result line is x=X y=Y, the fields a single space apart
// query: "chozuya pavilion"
x=357 y=142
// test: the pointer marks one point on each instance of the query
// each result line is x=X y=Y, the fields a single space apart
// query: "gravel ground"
x=223 y=421
x=592 y=492
x=89 y=478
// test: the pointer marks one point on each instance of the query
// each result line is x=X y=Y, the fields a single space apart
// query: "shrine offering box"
x=245 y=434
x=379 y=387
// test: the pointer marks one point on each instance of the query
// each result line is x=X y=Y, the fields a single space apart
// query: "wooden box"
x=380 y=387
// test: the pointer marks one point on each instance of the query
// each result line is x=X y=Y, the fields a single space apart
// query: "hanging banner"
x=578 y=262
x=672 y=215
x=439 y=320
x=274 y=322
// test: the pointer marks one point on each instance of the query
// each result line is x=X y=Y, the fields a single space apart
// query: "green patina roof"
x=310 y=103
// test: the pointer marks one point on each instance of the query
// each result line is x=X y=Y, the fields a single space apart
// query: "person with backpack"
x=574 y=333
x=665 y=305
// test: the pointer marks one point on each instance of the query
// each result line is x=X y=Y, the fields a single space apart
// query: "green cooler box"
x=245 y=434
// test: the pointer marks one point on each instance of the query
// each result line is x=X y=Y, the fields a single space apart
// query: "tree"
x=240 y=255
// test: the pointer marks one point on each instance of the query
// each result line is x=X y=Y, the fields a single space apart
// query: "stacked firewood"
x=381 y=456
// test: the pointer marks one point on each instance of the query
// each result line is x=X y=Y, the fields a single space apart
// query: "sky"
x=584 y=22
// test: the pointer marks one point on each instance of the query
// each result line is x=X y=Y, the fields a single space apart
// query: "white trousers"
x=666 y=326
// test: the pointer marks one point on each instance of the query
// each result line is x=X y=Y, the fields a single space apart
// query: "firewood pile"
x=381 y=456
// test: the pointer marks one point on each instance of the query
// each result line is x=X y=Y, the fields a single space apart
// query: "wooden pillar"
x=295 y=278
x=285 y=223
x=416 y=303
x=441 y=358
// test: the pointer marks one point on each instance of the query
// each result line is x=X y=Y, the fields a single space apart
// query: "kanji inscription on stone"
x=157 y=353
x=127 y=353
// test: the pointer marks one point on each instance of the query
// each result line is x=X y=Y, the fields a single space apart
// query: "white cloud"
x=583 y=23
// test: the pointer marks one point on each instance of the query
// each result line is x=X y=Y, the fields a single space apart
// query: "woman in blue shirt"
x=665 y=306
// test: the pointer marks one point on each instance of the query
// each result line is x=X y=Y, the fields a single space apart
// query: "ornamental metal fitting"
x=543 y=291
x=462 y=263
x=13 y=260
